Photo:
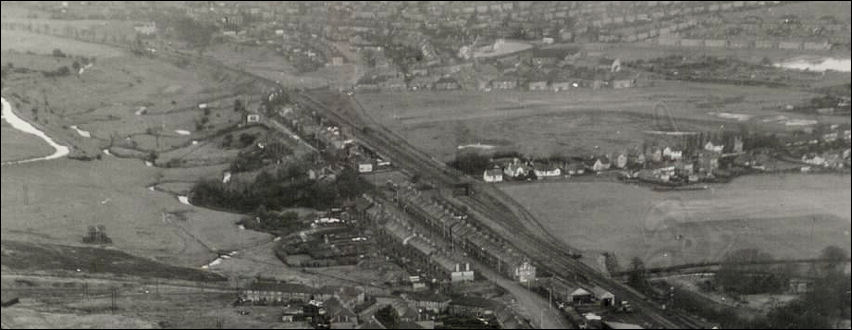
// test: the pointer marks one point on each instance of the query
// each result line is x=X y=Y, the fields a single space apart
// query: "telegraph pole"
x=114 y=294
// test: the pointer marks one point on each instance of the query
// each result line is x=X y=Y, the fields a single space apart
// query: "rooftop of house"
x=601 y=292
x=277 y=286
x=472 y=301
x=429 y=296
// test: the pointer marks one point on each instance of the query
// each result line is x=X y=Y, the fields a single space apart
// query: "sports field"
x=790 y=216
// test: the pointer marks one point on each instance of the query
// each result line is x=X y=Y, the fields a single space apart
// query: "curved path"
x=23 y=126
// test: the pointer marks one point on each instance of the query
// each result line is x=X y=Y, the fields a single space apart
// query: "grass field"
x=772 y=213
x=17 y=145
x=543 y=123
x=55 y=201
x=23 y=41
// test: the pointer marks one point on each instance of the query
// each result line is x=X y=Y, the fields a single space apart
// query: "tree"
x=636 y=278
x=76 y=66
x=835 y=256
x=388 y=316
x=238 y=105
x=58 y=53
x=746 y=272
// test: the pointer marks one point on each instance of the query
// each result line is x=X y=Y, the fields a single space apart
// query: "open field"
x=22 y=41
x=544 y=123
x=41 y=203
x=773 y=213
x=49 y=301
x=17 y=145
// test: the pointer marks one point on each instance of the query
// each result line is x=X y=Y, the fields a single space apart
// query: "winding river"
x=23 y=126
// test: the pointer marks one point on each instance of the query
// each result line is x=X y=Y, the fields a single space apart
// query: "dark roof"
x=429 y=296
x=471 y=301
x=281 y=287
x=335 y=309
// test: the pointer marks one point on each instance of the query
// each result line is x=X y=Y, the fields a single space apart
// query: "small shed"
x=605 y=297
x=581 y=296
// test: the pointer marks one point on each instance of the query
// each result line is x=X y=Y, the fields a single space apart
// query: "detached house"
x=493 y=175
x=544 y=170
x=621 y=161
x=515 y=169
x=446 y=84
x=601 y=164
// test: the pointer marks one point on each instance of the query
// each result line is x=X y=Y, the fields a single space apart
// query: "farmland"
x=136 y=105
x=17 y=145
x=773 y=213
x=543 y=123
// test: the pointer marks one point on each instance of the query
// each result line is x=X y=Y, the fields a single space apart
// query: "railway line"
x=545 y=250
x=496 y=211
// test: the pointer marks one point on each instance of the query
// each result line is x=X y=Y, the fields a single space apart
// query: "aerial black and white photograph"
x=426 y=164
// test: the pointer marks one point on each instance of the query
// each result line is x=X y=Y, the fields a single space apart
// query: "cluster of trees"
x=244 y=140
x=266 y=221
x=60 y=72
x=388 y=317
x=288 y=187
x=471 y=163
x=827 y=301
x=256 y=158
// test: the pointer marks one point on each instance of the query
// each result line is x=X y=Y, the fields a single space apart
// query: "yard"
x=790 y=216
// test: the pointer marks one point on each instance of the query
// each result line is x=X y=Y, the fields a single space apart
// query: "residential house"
x=349 y=296
x=655 y=155
x=671 y=154
x=365 y=164
x=525 y=272
x=470 y=306
x=421 y=83
x=813 y=159
x=709 y=146
x=621 y=161
x=493 y=175
x=576 y=168
x=543 y=170
x=601 y=164
x=515 y=169
x=338 y=315
x=146 y=29
x=446 y=83
x=506 y=81
x=708 y=161
x=462 y=275
x=640 y=159
x=537 y=84
x=623 y=83
x=430 y=301
x=276 y=292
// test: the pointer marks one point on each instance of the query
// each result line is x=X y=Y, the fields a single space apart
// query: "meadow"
x=789 y=216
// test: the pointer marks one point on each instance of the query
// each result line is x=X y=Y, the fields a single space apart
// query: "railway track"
x=494 y=206
x=547 y=251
